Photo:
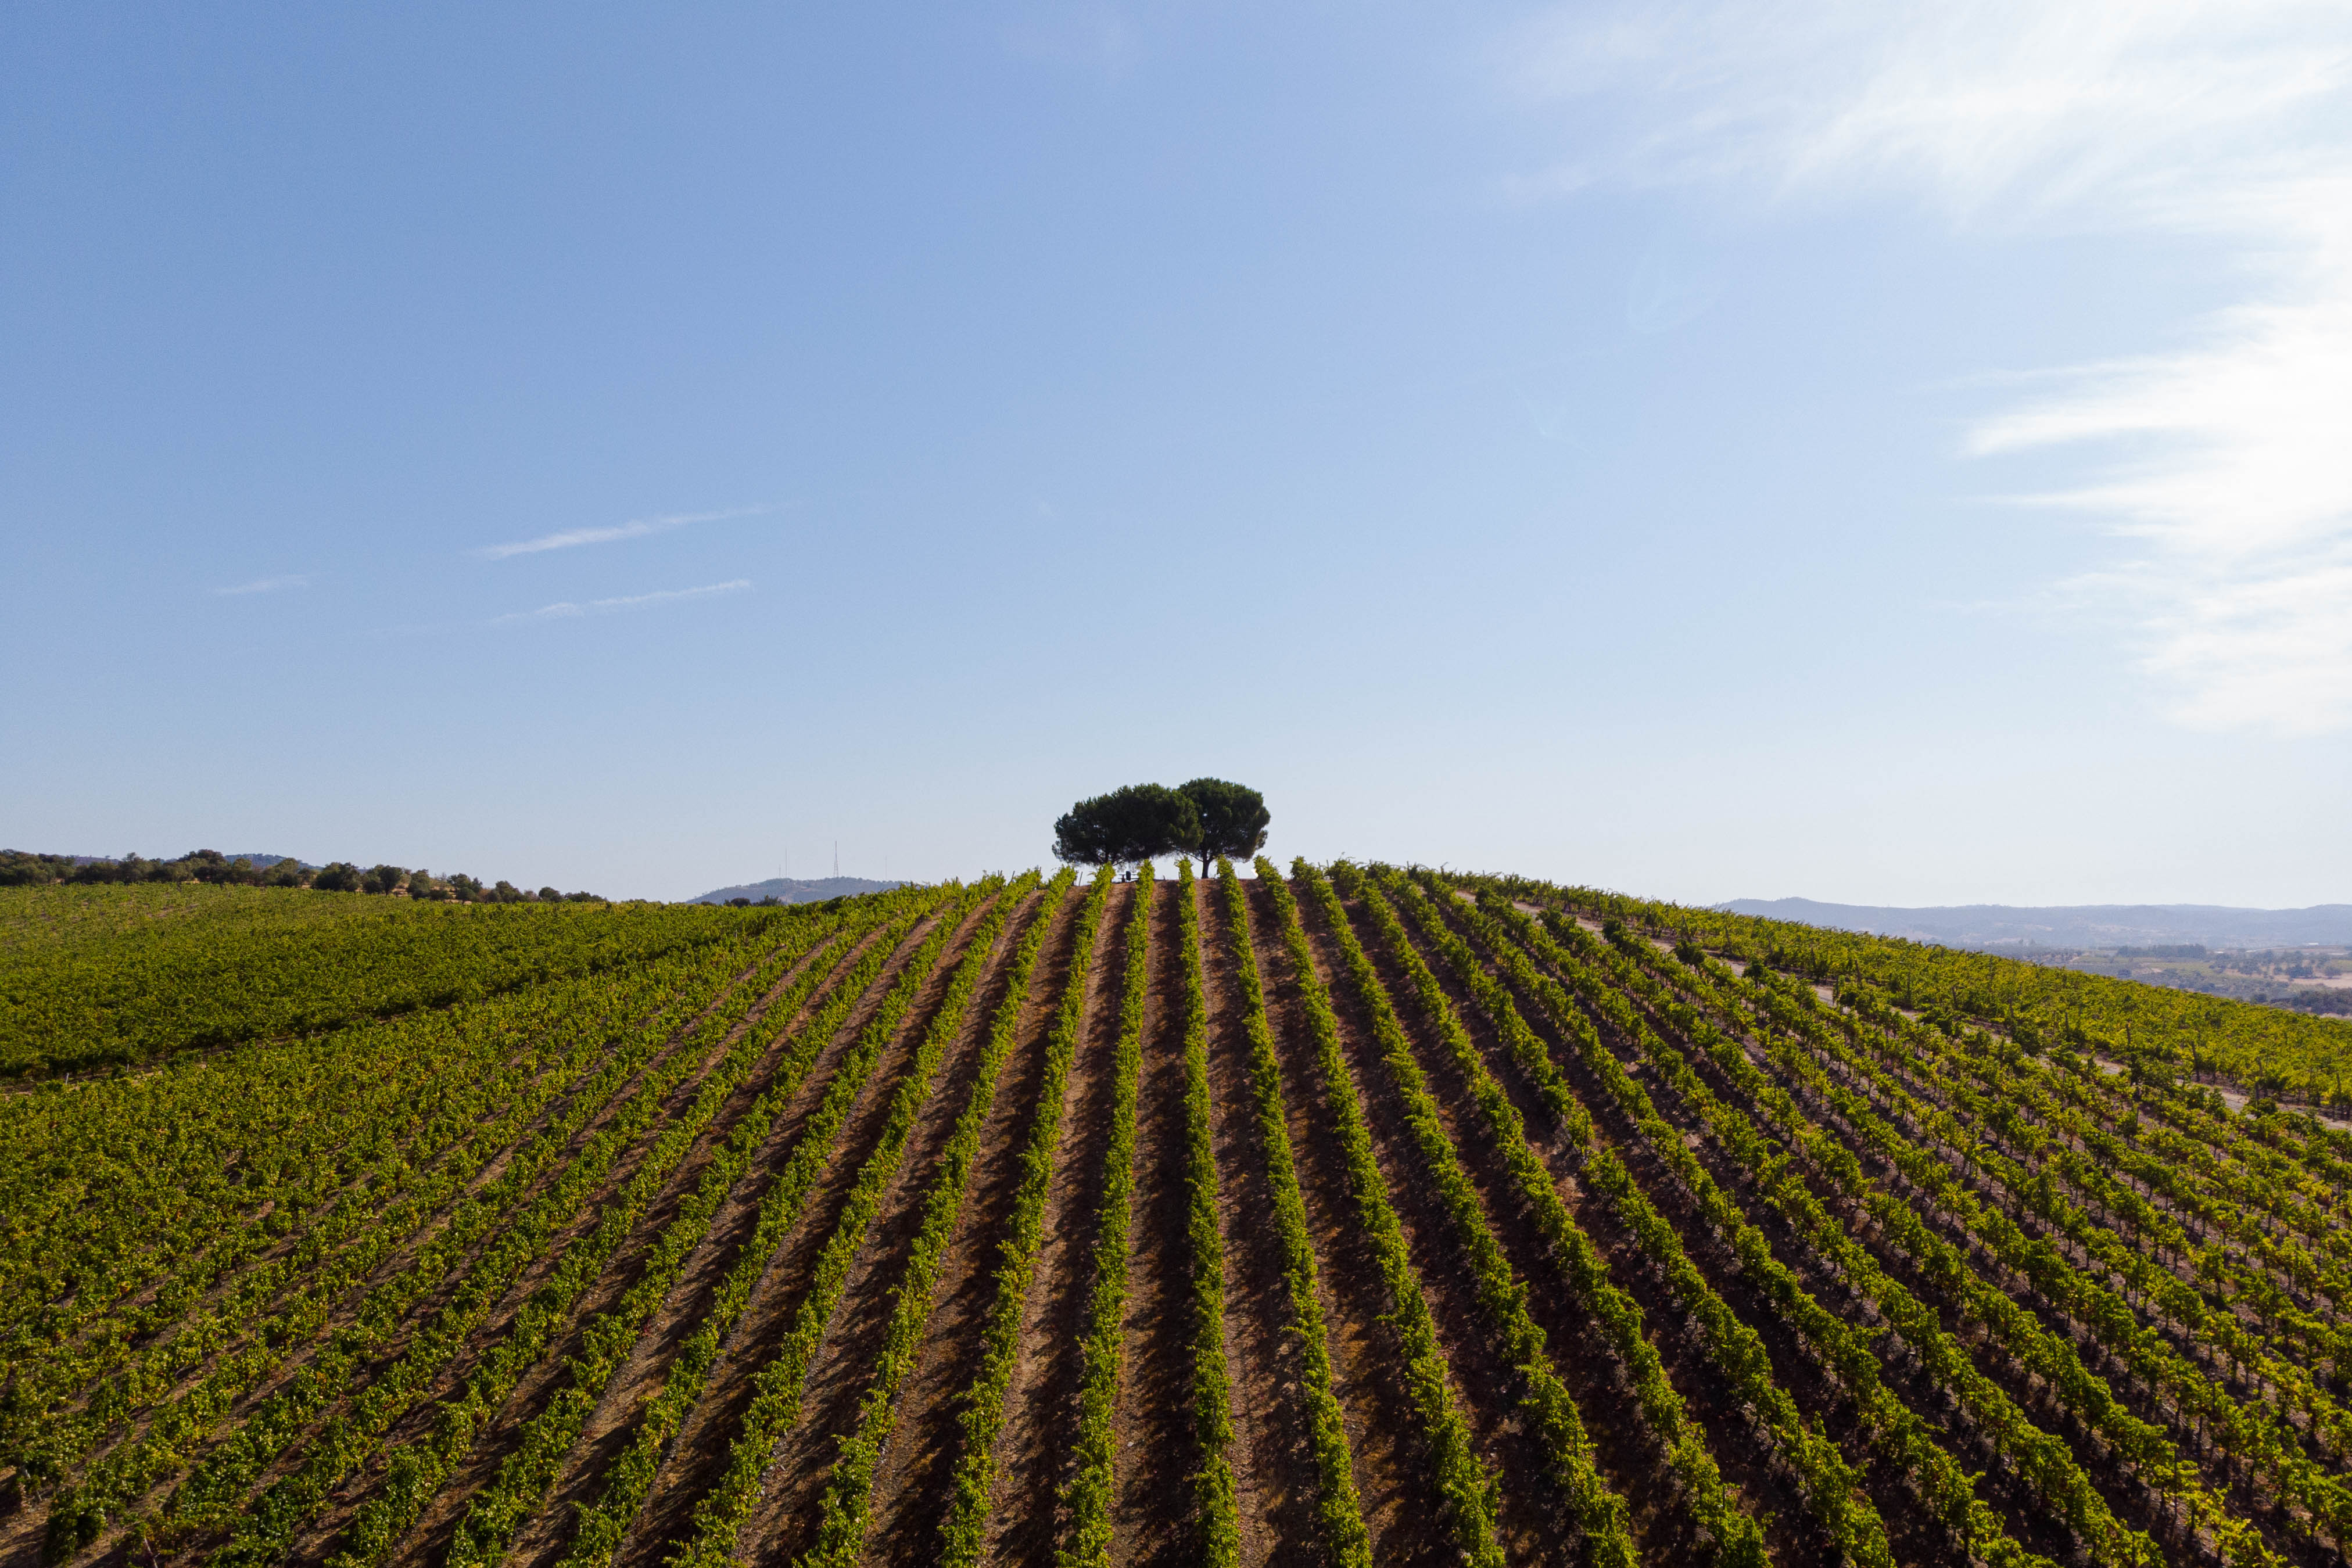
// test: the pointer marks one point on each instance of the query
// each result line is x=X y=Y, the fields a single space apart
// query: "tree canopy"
x=1233 y=819
x=1208 y=816
x=1127 y=827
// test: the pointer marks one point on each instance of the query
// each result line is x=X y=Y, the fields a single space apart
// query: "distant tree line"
x=1208 y=818
x=19 y=868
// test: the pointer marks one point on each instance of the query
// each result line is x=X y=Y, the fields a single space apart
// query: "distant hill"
x=257 y=860
x=2070 y=925
x=792 y=890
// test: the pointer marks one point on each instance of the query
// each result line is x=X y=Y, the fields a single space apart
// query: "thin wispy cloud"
x=572 y=538
x=2220 y=458
x=266 y=585
x=567 y=611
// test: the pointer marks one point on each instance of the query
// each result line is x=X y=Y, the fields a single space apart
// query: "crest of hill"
x=795 y=890
x=2069 y=925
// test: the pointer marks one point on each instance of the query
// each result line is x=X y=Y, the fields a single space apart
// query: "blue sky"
x=1888 y=454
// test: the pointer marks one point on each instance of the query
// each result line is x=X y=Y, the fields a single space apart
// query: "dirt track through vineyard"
x=1605 y=1049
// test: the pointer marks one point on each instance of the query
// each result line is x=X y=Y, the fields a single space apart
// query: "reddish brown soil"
x=611 y=1424
x=1627 y=1452
x=319 y=1539
x=1393 y=1483
x=1032 y=1455
x=1153 y=1519
x=698 y=1454
x=1275 y=1480
x=429 y=1539
x=844 y=1368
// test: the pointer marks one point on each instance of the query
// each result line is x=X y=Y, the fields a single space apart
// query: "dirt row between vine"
x=429 y=1539
x=610 y=1425
x=1151 y=1518
x=1392 y=1470
x=912 y=1497
x=2028 y=1517
x=779 y=1528
x=319 y=1539
x=1766 y=1488
x=699 y=1452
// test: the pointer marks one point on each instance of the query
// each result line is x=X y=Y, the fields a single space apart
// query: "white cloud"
x=2223 y=461
x=568 y=611
x=266 y=585
x=638 y=529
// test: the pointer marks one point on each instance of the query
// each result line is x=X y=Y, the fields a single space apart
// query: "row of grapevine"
x=1832 y=1486
x=2107 y=1315
x=2043 y=1460
x=627 y=1483
x=841 y=1518
x=1618 y=1317
x=1902 y=1436
x=1219 y=1531
x=79 y=1370
x=2014 y=1115
x=965 y=1533
x=214 y=966
x=160 y=1443
x=1339 y=1511
x=524 y=1477
x=2294 y=1054
x=2250 y=1434
x=2040 y=1458
x=1502 y=1294
x=778 y=1381
x=155 y=1189
x=525 y=1243
x=1465 y=1489
x=1103 y=1346
x=733 y=1252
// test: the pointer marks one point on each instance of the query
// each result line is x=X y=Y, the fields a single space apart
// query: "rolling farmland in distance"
x=1341 y=1215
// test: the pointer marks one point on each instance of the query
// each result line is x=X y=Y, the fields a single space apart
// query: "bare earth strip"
x=1153 y=1426
x=609 y=1427
x=700 y=1453
x=911 y=1490
x=1275 y=1479
x=317 y=1542
x=841 y=1370
x=1042 y=1410
x=428 y=1541
x=1399 y=1507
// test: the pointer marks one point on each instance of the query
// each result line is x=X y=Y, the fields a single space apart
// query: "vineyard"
x=1350 y=1216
